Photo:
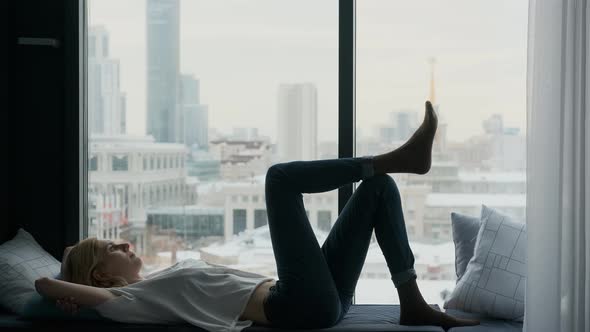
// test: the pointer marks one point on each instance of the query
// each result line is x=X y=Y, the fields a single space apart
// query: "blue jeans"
x=315 y=284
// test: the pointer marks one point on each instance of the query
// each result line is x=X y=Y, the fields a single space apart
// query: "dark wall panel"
x=41 y=113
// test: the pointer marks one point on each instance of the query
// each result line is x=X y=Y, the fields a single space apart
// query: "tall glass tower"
x=164 y=119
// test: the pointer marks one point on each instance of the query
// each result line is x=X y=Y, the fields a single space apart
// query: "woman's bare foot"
x=415 y=310
x=416 y=154
x=429 y=316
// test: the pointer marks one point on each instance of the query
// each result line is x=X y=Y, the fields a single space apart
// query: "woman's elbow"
x=40 y=284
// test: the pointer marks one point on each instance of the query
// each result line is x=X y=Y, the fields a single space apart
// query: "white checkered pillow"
x=495 y=278
x=22 y=261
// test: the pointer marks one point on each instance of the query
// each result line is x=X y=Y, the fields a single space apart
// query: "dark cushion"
x=360 y=317
x=465 y=229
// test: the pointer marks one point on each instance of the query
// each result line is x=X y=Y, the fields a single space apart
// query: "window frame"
x=78 y=227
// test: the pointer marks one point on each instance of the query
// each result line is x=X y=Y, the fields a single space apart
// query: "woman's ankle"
x=410 y=297
x=379 y=164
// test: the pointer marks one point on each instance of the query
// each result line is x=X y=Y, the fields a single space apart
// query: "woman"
x=315 y=284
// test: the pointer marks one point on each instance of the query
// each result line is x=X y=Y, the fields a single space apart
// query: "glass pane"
x=472 y=67
x=190 y=102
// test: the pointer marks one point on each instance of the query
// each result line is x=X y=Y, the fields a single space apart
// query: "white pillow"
x=22 y=261
x=495 y=278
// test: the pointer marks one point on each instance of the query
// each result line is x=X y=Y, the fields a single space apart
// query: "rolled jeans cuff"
x=367 y=166
x=403 y=277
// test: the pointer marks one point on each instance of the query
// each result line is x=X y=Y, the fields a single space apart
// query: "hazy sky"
x=241 y=50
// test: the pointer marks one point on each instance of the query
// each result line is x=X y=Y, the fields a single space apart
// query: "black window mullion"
x=76 y=193
x=346 y=92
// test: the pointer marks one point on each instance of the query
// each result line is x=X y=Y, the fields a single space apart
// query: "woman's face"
x=118 y=260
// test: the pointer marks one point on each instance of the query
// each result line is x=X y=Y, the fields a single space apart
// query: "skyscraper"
x=196 y=116
x=164 y=119
x=297 y=121
x=106 y=102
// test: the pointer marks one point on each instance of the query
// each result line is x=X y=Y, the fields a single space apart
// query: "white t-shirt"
x=209 y=296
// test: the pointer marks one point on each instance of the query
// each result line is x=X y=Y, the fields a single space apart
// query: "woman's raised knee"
x=381 y=180
x=275 y=174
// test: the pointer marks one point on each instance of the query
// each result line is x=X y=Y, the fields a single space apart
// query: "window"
x=472 y=68
x=105 y=46
x=260 y=218
x=93 y=163
x=183 y=84
x=120 y=163
x=92 y=46
x=239 y=220
x=325 y=220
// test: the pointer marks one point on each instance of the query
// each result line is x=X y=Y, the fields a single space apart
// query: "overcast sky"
x=241 y=50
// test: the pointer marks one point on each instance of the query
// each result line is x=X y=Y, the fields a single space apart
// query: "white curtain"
x=558 y=167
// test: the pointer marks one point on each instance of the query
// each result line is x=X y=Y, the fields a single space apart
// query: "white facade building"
x=136 y=173
x=297 y=134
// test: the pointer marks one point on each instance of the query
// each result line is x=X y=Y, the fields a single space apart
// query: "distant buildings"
x=169 y=227
x=106 y=102
x=187 y=187
x=196 y=116
x=297 y=122
x=244 y=134
x=402 y=124
x=499 y=148
x=164 y=119
x=241 y=159
x=251 y=250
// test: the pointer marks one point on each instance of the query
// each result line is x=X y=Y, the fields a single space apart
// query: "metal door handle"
x=38 y=41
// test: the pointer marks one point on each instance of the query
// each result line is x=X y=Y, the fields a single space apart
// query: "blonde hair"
x=82 y=260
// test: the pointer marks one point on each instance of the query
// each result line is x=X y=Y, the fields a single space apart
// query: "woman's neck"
x=135 y=279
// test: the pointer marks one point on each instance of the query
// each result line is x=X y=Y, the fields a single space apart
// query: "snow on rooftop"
x=252 y=245
x=424 y=253
x=180 y=254
x=509 y=177
x=129 y=142
x=475 y=200
x=251 y=242
x=192 y=180
x=187 y=209
x=444 y=163
x=368 y=290
x=216 y=186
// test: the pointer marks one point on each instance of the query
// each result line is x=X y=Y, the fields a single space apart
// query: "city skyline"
x=254 y=85
x=274 y=49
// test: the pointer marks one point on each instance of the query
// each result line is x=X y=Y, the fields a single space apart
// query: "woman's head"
x=101 y=263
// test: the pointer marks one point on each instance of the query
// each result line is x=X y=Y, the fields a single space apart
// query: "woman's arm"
x=83 y=295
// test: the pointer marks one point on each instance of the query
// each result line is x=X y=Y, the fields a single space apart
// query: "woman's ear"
x=99 y=275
